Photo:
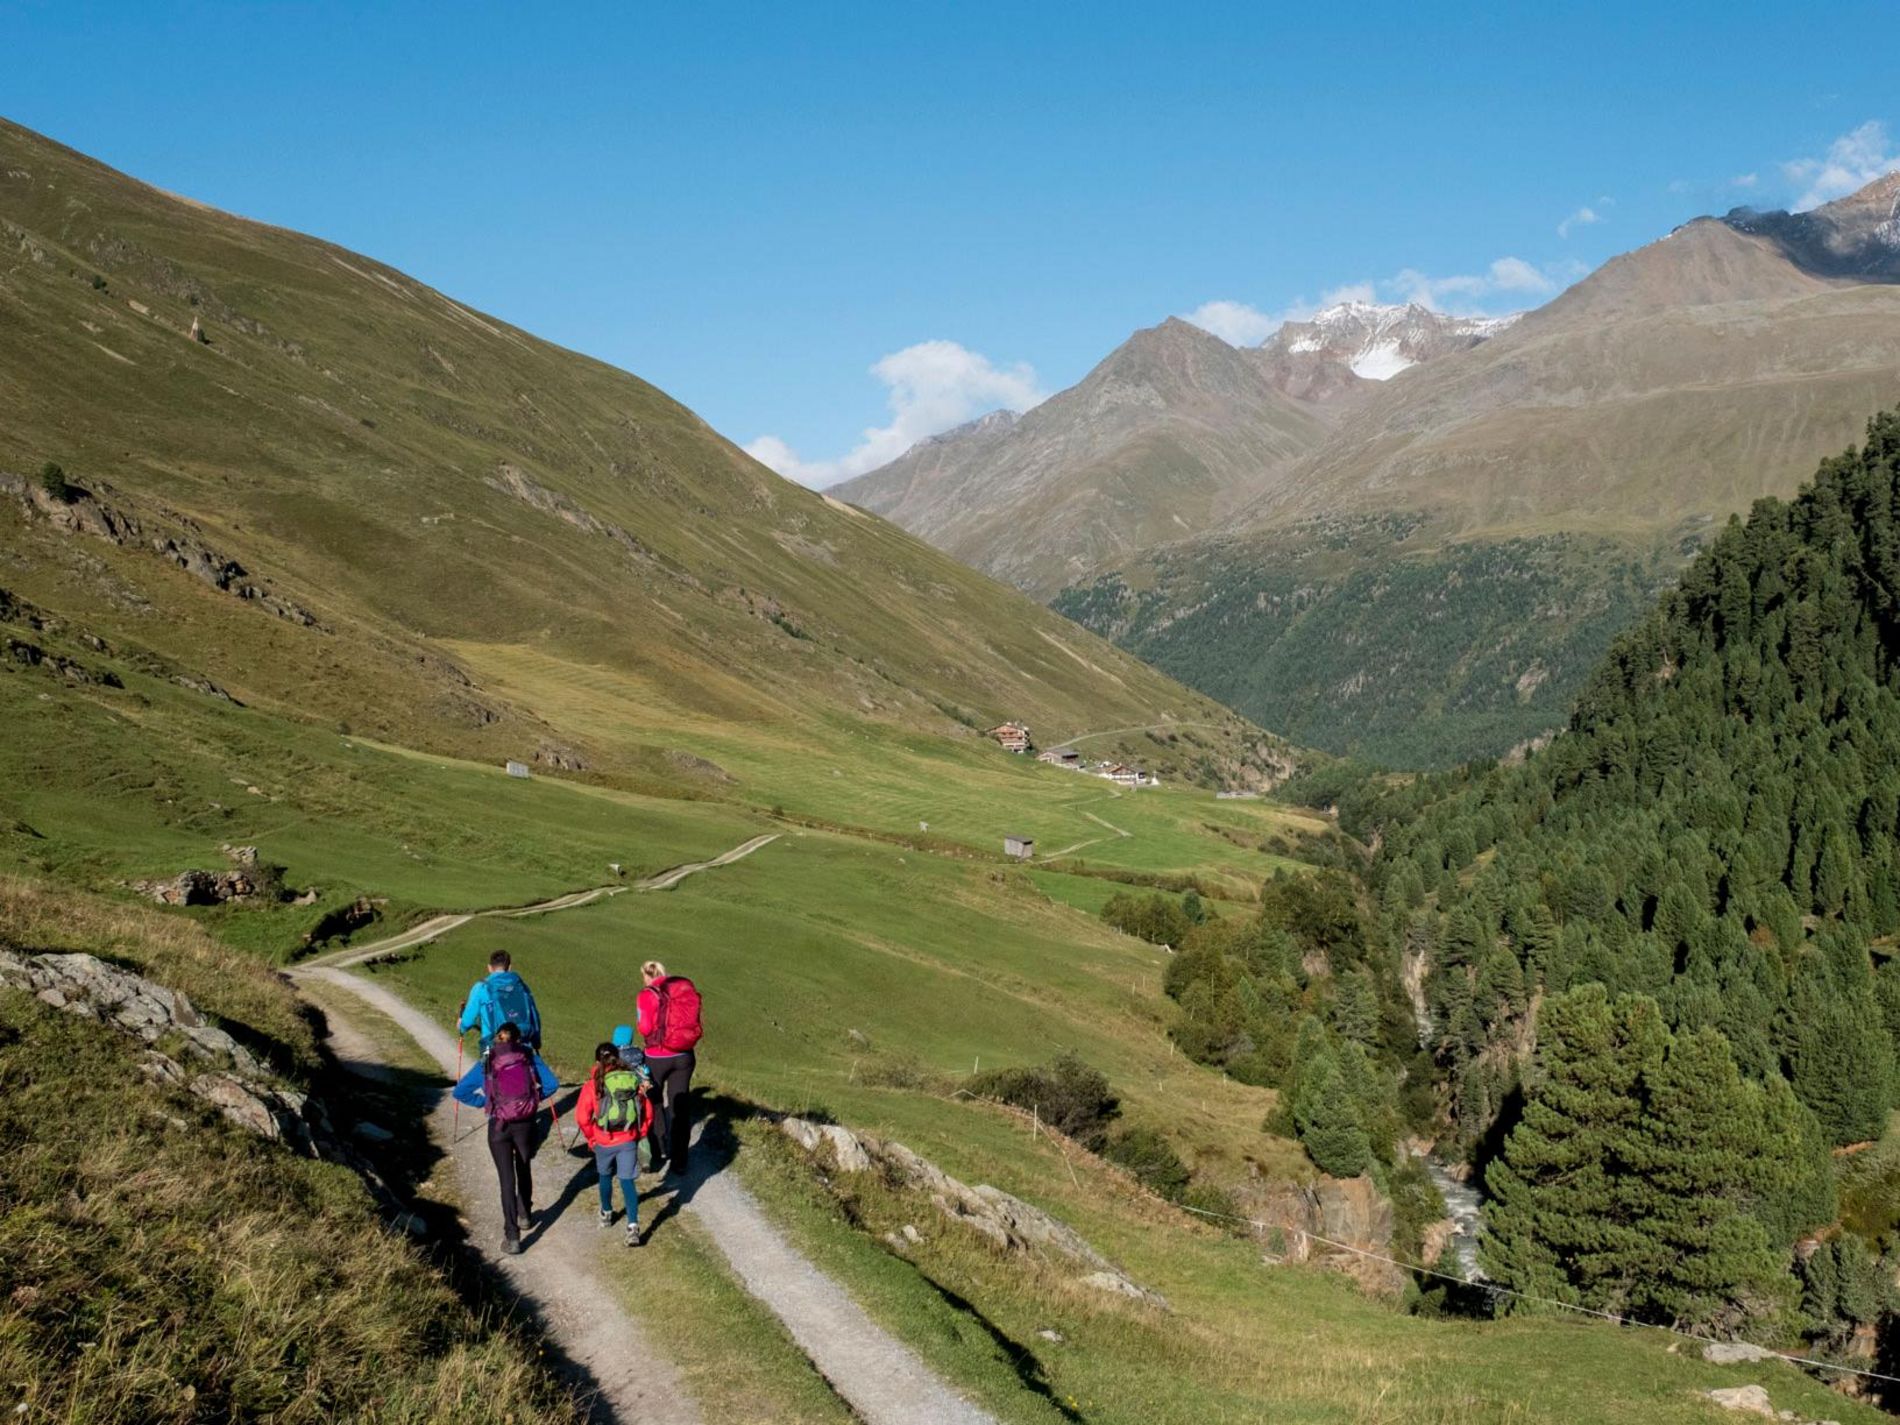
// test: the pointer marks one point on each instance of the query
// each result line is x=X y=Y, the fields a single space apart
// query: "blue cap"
x=623 y=1036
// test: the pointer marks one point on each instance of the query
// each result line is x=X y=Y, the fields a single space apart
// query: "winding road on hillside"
x=441 y=925
x=877 y=1376
x=1125 y=731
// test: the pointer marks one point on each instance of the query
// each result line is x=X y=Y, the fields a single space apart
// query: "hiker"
x=615 y=1114
x=502 y=998
x=668 y=1014
x=510 y=1082
x=631 y=1054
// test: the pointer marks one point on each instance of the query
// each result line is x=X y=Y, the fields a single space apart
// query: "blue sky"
x=841 y=226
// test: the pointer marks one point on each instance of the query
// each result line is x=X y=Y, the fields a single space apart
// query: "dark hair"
x=511 y=1032
x=500 y=960
x=606 y=1056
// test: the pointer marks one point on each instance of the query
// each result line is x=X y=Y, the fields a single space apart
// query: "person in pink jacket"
x=668 y=1013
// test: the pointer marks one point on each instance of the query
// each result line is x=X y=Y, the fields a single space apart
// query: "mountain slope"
x=1627 y=399
x=422 y=494
x=1525 y=495
x=1158 y=441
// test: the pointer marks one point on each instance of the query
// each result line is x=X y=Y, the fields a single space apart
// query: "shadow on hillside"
x=1027 y=1365
x=715 y=1145
x=402 y=1101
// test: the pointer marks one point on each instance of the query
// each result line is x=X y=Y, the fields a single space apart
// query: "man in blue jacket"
x=502 y=998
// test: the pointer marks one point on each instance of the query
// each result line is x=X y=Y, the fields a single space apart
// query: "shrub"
x=1151 y=1158
x=1156 y=918
x=98 y=283
x=1066 y=1094
x=53 y=481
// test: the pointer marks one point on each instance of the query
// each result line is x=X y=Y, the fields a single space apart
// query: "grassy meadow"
x=856 y=968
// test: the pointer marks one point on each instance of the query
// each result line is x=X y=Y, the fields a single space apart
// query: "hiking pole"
x=455 y=1118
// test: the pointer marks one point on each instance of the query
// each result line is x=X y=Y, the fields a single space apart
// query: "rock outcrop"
x=1753 y=1400
x=220 y=1070
x=88 y=511
x=1330 y=1222
x=201 y=887
x=1005 y=1221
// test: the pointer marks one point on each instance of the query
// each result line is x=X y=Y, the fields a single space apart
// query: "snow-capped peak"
x=1378 y=341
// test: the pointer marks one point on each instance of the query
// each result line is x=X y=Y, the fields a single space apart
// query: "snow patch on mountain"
x=1376 y=341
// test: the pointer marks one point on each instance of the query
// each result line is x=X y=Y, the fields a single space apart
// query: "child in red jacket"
x=614 y=1116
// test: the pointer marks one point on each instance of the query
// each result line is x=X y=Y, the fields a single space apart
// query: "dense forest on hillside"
x=1653 y=967
x=1339 y=636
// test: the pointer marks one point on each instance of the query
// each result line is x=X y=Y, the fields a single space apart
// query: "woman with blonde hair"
x=668 y=1015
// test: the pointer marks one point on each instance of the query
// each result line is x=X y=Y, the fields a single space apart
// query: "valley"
x=348 y=636
x=1473 y=509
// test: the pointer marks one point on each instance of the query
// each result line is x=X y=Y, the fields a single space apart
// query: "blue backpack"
x=508 y=1002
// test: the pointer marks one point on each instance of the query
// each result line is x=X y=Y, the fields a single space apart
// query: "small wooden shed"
x=1021 y=847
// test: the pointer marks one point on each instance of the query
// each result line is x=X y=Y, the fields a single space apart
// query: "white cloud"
x=1235 y=323
x=931 y=387
x=1469 y=293
x=1852 y=161
x=1744 y=180
x=1582 y=218
x=1239 y=324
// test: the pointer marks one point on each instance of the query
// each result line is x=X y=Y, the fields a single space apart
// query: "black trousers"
x=511 y=1145
x=668 y=1137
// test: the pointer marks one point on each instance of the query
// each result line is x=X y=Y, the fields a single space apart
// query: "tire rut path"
x=880 y=1378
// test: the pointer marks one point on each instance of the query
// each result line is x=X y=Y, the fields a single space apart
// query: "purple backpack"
x=514 y=1090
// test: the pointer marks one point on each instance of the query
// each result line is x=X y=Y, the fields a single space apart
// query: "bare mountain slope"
x=1160 y=440
x=1682 y=379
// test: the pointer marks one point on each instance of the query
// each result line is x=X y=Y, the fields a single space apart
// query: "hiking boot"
x=511 y=1246
x=606 y=1217
x=526 y=1209
x=633 y=1234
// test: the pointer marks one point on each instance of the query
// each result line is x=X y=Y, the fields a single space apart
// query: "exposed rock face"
x=1004 y=1220
x=90 y=988
x=1304 y=1224
x=82 y=512
x=1331 y=356
x=86 y=511
x=30 y=655
x=1856 y=237
x=562 y=759
x=203 y=887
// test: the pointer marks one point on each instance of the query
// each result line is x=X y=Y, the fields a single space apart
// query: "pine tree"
x=1561 y=1215
x=1698 y=1258
x=1356 y=1009
x=1840 y=1058
x=1328 y=1121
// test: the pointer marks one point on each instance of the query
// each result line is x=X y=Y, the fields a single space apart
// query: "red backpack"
x=514 y=1091
x=676 y=1026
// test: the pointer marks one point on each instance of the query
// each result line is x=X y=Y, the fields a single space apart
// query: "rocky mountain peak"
x=1855 y=237
x=1336 y=351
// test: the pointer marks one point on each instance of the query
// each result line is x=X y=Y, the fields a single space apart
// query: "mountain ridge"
x=1039 y=500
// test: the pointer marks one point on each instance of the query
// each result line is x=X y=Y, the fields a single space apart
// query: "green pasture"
x=121 y=785
x=861 y=981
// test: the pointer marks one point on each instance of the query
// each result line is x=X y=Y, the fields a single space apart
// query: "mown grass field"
x=862 y=773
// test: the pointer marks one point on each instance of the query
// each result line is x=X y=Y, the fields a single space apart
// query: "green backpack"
x=619 y=1109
